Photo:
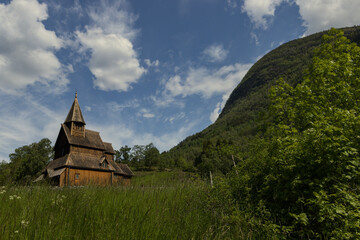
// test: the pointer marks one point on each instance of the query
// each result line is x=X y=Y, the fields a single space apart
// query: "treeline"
x=27 y=162
x=214 y=157
x=141 y=157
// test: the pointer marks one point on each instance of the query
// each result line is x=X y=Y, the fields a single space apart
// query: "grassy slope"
x=245 y=113
x=167 y=205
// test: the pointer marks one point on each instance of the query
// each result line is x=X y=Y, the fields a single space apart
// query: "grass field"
x=163 y=205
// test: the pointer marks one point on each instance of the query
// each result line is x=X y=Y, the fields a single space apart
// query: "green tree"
x=4 y=173
x=314 y=177
x=137 y=156
x=152 y=156
x=123 y=155
x=302 y=179
x=27 y=161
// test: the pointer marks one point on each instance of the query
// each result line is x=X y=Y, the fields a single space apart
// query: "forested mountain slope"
x=246 y=111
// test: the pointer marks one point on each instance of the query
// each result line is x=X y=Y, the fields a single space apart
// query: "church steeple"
x=75 y=120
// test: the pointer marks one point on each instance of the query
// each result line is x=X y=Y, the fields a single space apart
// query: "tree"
x=152 y=156
x=123 y=155
x=303 y=179
x=314 y=177
x=4 y=173
x=137 y=156
x=28 y=161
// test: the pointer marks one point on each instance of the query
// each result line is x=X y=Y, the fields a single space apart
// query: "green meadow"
x=163 y=205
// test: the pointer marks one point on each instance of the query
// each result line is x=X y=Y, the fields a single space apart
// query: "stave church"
x=82 y=158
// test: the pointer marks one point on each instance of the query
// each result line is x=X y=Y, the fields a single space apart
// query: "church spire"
x=75 y=114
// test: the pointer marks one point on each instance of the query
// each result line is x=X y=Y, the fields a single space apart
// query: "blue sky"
x=145 y=70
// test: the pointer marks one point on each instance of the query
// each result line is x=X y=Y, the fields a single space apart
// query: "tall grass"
x=155 y=206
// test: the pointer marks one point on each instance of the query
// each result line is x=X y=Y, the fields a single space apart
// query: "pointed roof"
x=75 y=114
x=92 y=139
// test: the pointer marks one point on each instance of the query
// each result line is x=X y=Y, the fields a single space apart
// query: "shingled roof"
x=92 y=139
x=78 y=160
x=125 y=168
x=109 y=148
x=75 y=114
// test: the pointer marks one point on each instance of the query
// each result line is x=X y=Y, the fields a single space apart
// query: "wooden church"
x=82 y=158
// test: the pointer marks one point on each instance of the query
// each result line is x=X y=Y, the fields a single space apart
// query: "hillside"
x=245 y=113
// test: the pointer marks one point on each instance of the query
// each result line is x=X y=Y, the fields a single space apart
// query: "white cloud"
x=148 y=115
x=113 y=60
x=27 y=48
x=206 y=82
x=319 y=15
x=149 y=63
x=116 y=107
x=114 y=18
x=24 y=121
x=145 y=113
x=175 y=117
x=231 y=3
x=259 y=11
x=219 y=106
x=165 y=100
x=215 y=53
x=255 y=37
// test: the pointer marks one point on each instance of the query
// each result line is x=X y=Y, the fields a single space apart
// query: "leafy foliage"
x=315 y=151
x=140 y=157
x=302 y=180
x=26 y=162
x=123 y=155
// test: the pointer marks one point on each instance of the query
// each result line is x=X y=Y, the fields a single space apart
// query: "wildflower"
x=12 y=197
x=24 y=223
x=16 y=231
x=2 y=191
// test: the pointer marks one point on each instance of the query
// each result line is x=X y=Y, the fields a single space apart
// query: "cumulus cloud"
x=321 y=15
x=318 y=15
x=27 y=48
x=113 y=60
x=206 y=82
x=260 y=11
x=215 y=53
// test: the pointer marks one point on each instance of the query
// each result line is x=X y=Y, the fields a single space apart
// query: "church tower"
x=75 y=120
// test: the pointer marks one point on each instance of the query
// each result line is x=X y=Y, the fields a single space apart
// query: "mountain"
x=246 y=111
